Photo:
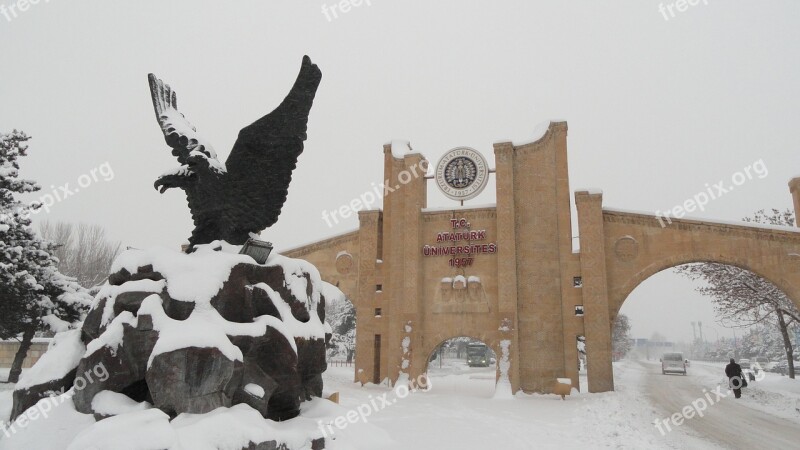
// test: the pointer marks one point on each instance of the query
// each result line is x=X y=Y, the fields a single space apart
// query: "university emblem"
x=462 y=173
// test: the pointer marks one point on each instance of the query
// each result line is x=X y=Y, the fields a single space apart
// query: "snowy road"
x=460 y=412
x=730 y=423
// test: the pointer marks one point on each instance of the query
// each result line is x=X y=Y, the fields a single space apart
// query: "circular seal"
x=344 y=263
x=626 y=248
x=462 y=173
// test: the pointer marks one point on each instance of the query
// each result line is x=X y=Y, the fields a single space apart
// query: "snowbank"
x=141 y=430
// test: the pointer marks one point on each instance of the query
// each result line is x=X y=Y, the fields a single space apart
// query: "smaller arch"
x=429 y=368
x=435 y=341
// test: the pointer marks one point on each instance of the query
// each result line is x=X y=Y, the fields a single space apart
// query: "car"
x=761 y=363
x=744 y=362
x=673 y=363
x=747 y=369
x=781 y=368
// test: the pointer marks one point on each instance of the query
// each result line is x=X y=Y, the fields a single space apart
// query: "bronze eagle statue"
x=245 y=195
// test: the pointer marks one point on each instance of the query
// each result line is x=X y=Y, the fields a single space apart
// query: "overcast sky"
x=656 y=108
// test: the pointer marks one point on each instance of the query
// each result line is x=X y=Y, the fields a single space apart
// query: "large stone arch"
x=637 y=246
x=621 y=249
x=618 y=297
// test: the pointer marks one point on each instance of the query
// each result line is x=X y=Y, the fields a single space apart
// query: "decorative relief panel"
x=344 y=263
x=626 y=249
x=461 y=295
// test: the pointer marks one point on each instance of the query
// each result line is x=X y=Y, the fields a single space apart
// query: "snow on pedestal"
x=211 y=334
x=254 y=389
x=53 y=373
x=62 y=356
x=109 y=403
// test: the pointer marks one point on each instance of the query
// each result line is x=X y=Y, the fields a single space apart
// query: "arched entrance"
x=669 y=305
x=621 y=249
x=627 y=290
x=463 y=365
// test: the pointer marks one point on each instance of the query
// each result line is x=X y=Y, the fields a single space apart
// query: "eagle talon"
x=162 y=187
x=170 y=181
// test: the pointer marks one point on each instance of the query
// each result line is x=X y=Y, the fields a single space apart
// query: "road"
x=726 y=422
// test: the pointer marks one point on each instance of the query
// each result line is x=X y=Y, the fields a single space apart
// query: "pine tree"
x=32 y=291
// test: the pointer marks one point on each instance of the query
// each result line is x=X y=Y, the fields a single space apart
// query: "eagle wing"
x=190 y=149
x=265 y=154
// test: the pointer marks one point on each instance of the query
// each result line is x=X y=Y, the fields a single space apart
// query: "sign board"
x=461 y=244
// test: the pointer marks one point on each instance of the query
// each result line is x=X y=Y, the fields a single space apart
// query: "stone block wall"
x=8 y=349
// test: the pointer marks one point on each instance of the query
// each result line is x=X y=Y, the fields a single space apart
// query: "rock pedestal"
x=259 y=339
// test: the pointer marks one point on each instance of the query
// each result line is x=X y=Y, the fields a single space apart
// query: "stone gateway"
x=508 y=275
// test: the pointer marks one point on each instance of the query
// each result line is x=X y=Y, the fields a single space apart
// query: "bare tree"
x=84 y=253
x=742 y=298
x=341 y=316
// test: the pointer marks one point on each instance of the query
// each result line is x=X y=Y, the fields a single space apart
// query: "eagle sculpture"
x=245 y=195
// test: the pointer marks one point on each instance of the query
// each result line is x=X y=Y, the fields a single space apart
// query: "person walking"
x=735 y=377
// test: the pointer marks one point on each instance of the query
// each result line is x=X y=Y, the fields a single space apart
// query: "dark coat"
x=733 y=370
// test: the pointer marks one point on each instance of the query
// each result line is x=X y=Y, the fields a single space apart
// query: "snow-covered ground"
x=459 y=412
x=774 y=394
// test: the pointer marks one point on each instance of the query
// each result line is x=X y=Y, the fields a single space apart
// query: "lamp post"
x=718 y=344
